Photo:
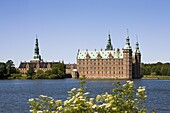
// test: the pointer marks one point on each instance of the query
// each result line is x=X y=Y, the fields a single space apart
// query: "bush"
x=123 y=99
x=16 y=75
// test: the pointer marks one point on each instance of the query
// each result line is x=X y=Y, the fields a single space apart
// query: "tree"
x=9 y=66
x=48 y=72
x=2 y=70
x=39 y=75
x=30 y=71
x=59 y=69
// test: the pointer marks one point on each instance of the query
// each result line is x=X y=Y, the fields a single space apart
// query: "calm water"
x=14 y=94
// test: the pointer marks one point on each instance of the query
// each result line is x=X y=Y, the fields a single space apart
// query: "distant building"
x=37 y=62
x=110 y=63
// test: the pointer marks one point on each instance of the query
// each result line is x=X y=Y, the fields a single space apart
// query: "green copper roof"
x=137 y=47
x=104 y=54
x=37 y=56
x=127 y=45
x=109 y=44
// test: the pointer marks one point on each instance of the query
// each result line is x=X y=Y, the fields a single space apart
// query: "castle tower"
x=37 y=56
x=127 y=59
x=138 y=67
x=109 y=44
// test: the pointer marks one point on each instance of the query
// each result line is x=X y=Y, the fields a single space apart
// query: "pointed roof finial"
x=36 y=36
x=127 y=32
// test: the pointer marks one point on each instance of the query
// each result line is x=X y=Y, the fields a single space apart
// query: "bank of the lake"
x=15 y=93
x=157 y=77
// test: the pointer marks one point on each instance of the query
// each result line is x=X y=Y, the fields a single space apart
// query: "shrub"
x=123 y=99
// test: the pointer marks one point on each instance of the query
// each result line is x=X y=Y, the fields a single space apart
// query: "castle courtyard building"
x=110 y=63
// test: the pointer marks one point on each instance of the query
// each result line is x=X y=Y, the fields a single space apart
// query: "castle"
x=37 y=62
x=110 y=63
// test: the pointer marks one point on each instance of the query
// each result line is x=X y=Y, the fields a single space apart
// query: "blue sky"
x=64 y=26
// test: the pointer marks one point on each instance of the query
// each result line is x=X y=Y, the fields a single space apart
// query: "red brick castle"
x=110 y=63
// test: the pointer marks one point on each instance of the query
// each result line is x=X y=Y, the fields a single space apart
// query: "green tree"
x=2 y=70
x=48 y=72
x=55 y=69
x=30 y=71
x=39 y=75
x=9 y=66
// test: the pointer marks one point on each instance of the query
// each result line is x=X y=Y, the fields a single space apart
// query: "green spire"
x=109 y=44
x=127 y=45
x=36 y=50
x=137 y=47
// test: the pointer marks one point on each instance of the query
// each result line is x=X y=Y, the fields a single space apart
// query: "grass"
x=156 y=77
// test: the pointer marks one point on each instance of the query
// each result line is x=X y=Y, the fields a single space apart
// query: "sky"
x=64 y=26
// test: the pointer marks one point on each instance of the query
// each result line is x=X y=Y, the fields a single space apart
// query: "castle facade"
x=110 y=63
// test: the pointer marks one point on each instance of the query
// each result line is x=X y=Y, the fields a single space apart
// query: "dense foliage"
x=123 y=99
x=57 y=71
x=7 y=69
x=156 y=69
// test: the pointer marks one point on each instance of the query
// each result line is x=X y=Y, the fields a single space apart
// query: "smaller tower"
x=137 y=67
x=109 y=44
x=127 y=59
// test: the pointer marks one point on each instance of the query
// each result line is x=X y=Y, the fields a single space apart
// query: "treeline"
x=8 y=71
x=161 y=69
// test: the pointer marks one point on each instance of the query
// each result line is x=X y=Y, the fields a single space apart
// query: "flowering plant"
x=123 y=99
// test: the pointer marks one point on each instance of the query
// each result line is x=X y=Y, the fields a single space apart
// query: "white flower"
x=73 y=89
x=30 y=100
x=39 y=111
x=58 y=101
x=141 y=90
x=114 y=108
x=43 y=96
x=98 y=98
x=87 y=93
x=66 y=102
x=31 y=110
x=60 y=108
x=94 y=106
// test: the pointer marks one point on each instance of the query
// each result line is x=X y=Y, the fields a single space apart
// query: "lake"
x=14 y=94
